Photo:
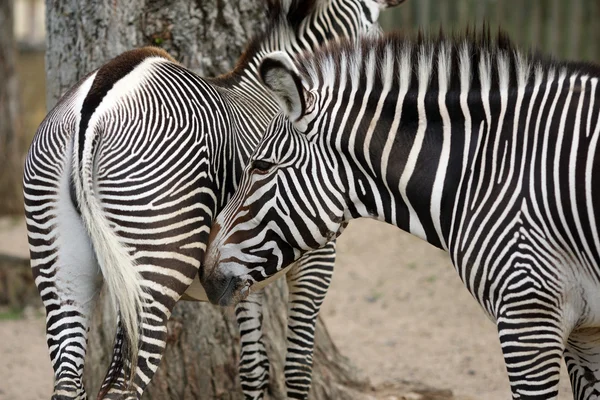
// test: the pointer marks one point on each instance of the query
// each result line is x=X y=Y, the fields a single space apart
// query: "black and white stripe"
x=123 y=179
x=477 y=148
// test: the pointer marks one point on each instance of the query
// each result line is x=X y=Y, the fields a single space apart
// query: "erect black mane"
x=298 y=11
x=479 y=42
x=279 y=18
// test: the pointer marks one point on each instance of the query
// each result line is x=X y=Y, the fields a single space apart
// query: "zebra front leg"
x=254 y=363
x=308 y=282
x=582 y=356
x=532 y=353
x=532 y=329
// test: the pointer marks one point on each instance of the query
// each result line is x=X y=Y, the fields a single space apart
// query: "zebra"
x=478 y=148
x=130 y=168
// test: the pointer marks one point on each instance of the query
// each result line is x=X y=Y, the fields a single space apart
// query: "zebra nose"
x=223 y=290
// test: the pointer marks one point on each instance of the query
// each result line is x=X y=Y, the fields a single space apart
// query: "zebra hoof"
x=68 y=390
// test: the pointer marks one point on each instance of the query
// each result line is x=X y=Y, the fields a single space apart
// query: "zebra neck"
x=409 y=130
x=411 y=165
x=407 y=177
x=435 y=135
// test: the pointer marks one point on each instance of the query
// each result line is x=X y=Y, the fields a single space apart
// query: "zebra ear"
x=279 y=74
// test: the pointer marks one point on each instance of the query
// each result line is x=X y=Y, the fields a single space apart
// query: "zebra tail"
x=121 y=277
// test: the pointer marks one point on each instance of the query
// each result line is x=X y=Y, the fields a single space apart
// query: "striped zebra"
x=121 y=184
x=467 y=143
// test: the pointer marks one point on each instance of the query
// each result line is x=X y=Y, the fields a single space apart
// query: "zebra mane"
x=283 y=20
x=292 y=11
x=480 y=58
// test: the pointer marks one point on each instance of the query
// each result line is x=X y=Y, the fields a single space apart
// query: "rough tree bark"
x=207 y=36
x=203 y=350
x=10 y=155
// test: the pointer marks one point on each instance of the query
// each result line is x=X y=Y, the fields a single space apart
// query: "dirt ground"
x=396 y=307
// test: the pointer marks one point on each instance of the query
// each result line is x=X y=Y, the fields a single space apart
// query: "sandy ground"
x=396 y=307
x=25 y=370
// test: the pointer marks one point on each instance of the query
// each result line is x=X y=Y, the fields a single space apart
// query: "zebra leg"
x=68 y=280
x=532 y=353
x=254 y=364
x=165 y=245
x=308 y=282
x=113 y=374
x=532 y=334
x=153 y=340
x=582 y=356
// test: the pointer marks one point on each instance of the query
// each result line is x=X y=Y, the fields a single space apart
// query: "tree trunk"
x=205 y=36
x=203 y=348
x=11 y=200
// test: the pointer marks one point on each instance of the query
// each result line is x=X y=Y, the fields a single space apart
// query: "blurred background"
x=450 y=344
x=564 y=28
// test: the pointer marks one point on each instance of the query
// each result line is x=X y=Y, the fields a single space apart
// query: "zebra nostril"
x=223 y=289
x=228 y=295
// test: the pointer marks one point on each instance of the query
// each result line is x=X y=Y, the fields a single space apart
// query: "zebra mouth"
x=237 y=290
x=225 y=298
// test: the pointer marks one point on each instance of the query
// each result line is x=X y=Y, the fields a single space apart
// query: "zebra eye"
x=262 y=165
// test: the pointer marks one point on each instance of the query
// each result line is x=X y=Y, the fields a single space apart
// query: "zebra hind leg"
x=59 y=254
x=153 y=338
x=308 y=282
x=582 y=356
x=113 y=374
x=254 y=364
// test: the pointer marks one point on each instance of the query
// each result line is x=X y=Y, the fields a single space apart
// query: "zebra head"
x=314 y=22
x=367 y=11
x=290 y=199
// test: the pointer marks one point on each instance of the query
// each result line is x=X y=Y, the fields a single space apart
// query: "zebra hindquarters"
x=308 y=281
x=161 y=212
x=63 y=264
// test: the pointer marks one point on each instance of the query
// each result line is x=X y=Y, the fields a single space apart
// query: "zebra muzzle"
x=226 y=290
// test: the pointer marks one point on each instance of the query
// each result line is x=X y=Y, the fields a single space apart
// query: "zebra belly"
x=589 y=296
